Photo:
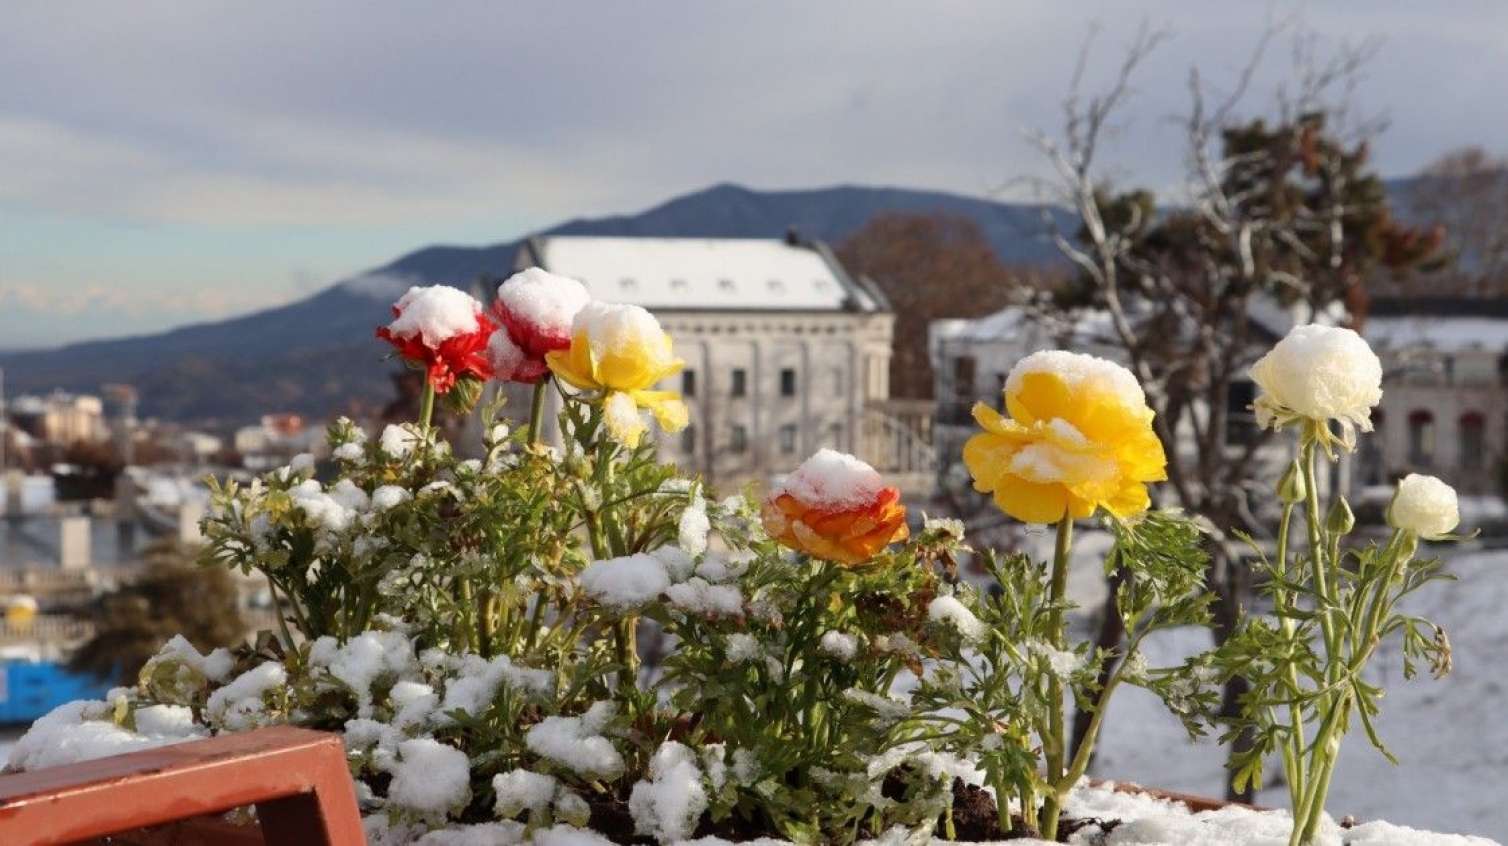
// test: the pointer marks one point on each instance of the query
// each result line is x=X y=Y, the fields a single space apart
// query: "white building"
x=785 y=351
x=1444 y=405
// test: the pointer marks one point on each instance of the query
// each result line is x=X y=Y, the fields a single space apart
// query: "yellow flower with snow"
x=621 y=351
x=1077 y=436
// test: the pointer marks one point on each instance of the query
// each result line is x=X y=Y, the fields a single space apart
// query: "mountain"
x=318 y=354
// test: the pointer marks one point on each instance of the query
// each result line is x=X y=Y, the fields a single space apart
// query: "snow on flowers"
x=1077 y=436
x=1318 y=374
x=536 y=310
x=473 y=625
x=834 y=506
x=443 y=331
x=621 y=352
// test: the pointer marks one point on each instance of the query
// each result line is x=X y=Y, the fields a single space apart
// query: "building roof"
x=706 y=274
x=1446 y=334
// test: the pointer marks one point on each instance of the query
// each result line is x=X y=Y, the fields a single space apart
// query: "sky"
x=163 y=163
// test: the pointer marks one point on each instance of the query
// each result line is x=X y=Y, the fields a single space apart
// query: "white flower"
x=1319 y=373
x=1425 y=506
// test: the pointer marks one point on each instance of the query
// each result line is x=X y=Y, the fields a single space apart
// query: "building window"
x=788 y=382
x=835 y=436
x=1473 y=440
x=740 y=383
x=738 y=439
x=788 y=438
x=688 y=439
x=688 y=383
x=1421 y=438
x=963 y=377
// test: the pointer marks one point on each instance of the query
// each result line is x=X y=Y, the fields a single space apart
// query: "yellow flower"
x=621 y=351
x=1078 y=437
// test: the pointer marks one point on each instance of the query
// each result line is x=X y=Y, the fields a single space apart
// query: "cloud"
x=383 y=287
x=362 y=130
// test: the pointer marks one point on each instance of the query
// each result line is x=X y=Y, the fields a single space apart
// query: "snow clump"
x=430 y=777
x=948 y=610
x=436 y=313
x=832 y=479
x=577 y=744
x=625 y=583
x=668 y=806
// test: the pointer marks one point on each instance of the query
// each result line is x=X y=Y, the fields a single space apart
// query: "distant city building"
x=1444 y=404
x=786 y=351
x=272 y=441
x=59 y=418
x=120 y=417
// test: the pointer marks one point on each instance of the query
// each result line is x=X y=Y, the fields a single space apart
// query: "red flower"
x=445 y=331
x=536 y=309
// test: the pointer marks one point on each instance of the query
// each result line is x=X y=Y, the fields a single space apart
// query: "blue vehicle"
x=29 y=689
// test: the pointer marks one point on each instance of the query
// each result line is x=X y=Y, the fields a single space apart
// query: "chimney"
x=74 y=543
x=792 y=237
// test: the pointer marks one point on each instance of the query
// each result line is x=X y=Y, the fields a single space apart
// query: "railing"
x=895 y=437
x=47 y=629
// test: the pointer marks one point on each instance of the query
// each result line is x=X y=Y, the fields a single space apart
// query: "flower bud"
x=1291 y=489
x=1340 y=520
x=464 y=395
x=1425 y=506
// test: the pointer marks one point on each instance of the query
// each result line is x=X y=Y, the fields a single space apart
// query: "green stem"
x=486 y=623
x=1055 y=741
x=426 y=406
x=1293 y=755
x=537 y=410
x=277 y=612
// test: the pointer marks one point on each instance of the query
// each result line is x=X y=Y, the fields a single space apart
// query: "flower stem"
x=1293 y=754
x=427 y=406
x=537 y=410
x=1055 y=742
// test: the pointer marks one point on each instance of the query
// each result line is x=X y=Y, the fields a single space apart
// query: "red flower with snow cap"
x=536 y=309
x=445 y=331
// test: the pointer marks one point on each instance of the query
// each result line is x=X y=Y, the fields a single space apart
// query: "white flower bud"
x=1425 y=506
x=1319 y=373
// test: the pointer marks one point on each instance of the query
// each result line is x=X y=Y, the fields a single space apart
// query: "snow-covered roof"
x=1440 y=332
x=1082 y=327
x=712 y=274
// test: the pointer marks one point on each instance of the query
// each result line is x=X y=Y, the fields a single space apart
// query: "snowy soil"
x=1450 y=736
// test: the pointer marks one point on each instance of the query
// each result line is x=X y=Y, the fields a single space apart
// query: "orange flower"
x=837 y=508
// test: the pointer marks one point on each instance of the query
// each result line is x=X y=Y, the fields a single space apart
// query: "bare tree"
x=932 y=266
x=1281 y=213
x=1466 y=190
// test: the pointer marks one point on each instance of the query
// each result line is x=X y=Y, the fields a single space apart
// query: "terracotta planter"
x=224 y=832
x=191 y=832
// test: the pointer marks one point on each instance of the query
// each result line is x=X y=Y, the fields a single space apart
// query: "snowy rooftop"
x=1442 y=332
x=705 y=273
